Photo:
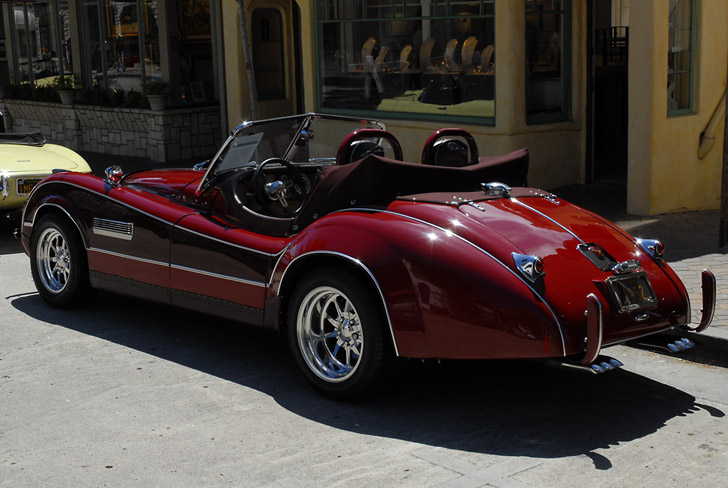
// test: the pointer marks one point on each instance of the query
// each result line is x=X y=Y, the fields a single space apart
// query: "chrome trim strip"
x=363 y=267
x=80 y=232
x=111 y=233
x=514 y=200
x=174 y=224
x=127 y=256
x=513 y=272
x=263 y=253
x=222 y=277
x=43 y=183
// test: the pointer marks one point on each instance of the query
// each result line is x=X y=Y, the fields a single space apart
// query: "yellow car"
x=25 y=159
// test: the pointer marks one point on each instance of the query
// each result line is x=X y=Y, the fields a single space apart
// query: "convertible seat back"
x=378 y=181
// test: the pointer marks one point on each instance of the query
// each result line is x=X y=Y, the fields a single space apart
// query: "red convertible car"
x=312 y=225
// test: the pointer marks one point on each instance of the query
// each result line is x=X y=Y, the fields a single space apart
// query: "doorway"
x=607 y=64
x=275 y=40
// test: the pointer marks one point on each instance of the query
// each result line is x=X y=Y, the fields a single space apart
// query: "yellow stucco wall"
x=557 y=150
x=665 y=173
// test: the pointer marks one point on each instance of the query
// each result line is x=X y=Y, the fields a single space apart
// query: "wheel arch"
x=64 y=208
x=306 y=263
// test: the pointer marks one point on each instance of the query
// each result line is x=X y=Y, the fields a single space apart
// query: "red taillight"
x=659 y=248
x=538 y=266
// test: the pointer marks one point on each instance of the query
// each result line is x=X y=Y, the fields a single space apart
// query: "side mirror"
x=201 y=166
x=114 y=174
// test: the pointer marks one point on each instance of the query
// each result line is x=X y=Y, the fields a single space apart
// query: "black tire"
x=352 y=357
x=59 y=263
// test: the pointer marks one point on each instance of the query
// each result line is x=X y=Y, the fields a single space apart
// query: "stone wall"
x=166 y=135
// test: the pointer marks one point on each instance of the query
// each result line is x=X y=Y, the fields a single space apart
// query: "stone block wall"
x=167 y=135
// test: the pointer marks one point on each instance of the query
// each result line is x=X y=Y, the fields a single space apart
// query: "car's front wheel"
x=336 y=334
x=58 y=262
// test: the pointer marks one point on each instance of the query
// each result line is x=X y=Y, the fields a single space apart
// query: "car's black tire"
x=58 y=262
x=336 y=333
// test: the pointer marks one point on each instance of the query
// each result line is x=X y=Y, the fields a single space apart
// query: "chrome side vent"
x=113 y=228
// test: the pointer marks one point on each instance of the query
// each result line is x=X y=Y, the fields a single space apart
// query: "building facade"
x=618 y=92
x=626 y=93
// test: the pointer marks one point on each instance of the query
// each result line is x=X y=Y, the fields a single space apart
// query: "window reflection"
x=407 y=57
x=122 y=43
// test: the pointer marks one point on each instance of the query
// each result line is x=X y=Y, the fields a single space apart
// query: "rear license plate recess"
x=631 y=292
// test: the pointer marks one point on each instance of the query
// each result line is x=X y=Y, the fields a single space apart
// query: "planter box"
x=166 y=135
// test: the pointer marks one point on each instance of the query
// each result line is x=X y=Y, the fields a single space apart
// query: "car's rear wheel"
x=58 y=262
x=336 y=333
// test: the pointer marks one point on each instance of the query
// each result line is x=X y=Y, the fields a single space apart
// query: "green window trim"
x=691 y=75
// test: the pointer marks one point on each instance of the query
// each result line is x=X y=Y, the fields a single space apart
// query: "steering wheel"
x=289 y=182
x=428 y=152
x=348 y=146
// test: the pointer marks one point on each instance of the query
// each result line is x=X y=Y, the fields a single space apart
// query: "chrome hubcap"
x=54 y=261
x=329 y=334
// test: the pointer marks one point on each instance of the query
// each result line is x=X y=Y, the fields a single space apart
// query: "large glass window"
x=432 y=58
x=681 y=37
x=121 y=43
x=39 y=43
x=548 y=71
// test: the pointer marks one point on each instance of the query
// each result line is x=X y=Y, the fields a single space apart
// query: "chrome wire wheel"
x=53 y=260
x=330 y=334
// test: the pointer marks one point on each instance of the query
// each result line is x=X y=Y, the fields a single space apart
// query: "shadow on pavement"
x=8 y=243
x=501 y=407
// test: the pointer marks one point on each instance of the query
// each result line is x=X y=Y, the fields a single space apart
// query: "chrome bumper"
x=709 y=293
x=594 y=328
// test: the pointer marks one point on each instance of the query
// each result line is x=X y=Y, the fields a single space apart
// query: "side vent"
x=114 y=228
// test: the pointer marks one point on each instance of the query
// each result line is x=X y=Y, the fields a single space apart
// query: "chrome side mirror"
x=114 y=174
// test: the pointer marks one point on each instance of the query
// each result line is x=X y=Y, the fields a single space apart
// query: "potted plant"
x=156 y=93
x=64 y=85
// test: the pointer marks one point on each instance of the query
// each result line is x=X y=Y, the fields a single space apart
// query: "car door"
x=220 y=269
x=129 y=241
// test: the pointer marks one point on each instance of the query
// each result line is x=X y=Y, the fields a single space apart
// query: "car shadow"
x=8 y=243
x=505 y=408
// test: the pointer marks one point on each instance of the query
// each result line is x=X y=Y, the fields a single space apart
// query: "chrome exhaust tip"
x=601 y=364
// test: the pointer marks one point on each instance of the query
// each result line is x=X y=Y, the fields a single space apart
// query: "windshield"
x=308 y=138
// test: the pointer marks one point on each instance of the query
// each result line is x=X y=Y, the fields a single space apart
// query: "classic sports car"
x=359 y=257
x=25 y=159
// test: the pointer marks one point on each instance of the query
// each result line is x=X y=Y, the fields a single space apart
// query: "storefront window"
x=38 y=46
x=680 y=57
x=121 y=43
x=428 y=58
x=548 y=71
x=196 y=66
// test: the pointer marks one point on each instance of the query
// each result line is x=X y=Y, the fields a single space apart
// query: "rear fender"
x=443 y=297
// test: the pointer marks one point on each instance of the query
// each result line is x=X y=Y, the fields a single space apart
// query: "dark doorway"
x=609 y=42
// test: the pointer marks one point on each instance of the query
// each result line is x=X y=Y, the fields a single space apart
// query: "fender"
x=42 y=202
x=483 y=312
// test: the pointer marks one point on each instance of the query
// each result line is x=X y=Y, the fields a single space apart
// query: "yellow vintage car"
x=25 y=159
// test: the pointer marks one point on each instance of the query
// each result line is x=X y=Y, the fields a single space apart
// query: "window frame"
x=564 y=115
x=397 y=6
x=693 y=24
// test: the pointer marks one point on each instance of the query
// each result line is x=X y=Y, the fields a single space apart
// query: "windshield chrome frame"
x=305 y=124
